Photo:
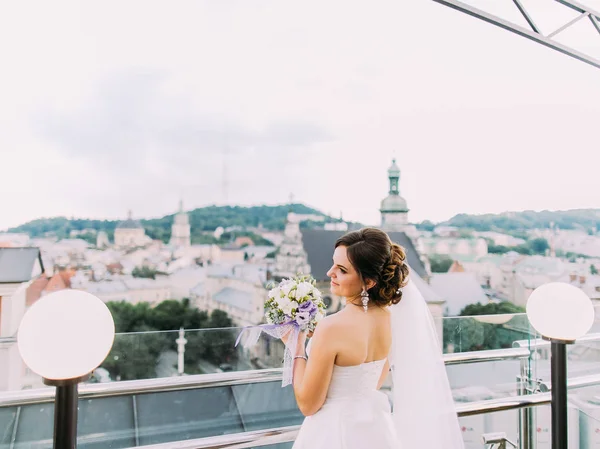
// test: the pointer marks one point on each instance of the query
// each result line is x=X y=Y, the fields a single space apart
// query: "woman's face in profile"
x=345 y=280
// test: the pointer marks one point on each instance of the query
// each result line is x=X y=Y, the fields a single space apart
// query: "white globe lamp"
x=561 y=313
x=64 y=337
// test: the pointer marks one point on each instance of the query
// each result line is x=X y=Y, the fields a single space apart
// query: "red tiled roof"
x=55 y=283
x=34 y=291
x=456 y=267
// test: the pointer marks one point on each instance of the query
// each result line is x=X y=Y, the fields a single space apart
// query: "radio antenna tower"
x=225 y=174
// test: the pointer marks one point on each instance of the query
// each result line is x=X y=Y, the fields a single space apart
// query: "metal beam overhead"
x=534 y=33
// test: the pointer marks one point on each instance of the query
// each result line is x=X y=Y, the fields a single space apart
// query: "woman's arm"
x=312 y=377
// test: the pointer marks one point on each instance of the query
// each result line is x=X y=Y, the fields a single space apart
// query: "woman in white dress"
x=337 y=377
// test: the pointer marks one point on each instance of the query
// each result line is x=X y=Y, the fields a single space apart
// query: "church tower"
x=394 y=211
x=180 y=231
x=291 y=258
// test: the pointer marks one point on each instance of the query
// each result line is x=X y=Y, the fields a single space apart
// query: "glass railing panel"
x=474 y=427
x=106 y=423
x=543 y=427
x=589 y=426
x=484 y=332
x=583 y=417
x=266 y=405
x=35 y=427
x=585 y=403
x=152 y=418
x=148 y=355
x=188 y=414
x=482 y=381
x=8 y=417
x=485 y=380
x=153 y=354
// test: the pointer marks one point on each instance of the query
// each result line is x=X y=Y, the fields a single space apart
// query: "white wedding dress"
x=355 y=415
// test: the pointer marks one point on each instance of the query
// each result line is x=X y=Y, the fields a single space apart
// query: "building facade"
x=130 y=234
x=181 y=230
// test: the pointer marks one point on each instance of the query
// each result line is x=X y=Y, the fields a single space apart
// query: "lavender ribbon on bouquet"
x=249 y=337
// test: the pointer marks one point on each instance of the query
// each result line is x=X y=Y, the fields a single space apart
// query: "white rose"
x=286 y=287
x=289 y=307
x=316 y=292
x=304 y=288
x=275 y=293
x=283 y=302
x=319 y=316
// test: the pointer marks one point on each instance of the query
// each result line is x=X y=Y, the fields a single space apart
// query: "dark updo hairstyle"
x=374 y=256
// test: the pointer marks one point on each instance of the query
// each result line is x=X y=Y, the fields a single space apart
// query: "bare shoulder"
x=329 y=326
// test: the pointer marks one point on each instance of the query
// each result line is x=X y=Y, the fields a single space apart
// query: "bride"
x=385 y=325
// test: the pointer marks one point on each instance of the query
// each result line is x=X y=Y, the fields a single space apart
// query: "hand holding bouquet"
x=293 y=306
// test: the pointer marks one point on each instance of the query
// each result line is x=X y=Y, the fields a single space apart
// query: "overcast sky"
x=109 y=106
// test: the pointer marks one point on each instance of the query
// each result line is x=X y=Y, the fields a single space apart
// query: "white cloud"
x=109 y=106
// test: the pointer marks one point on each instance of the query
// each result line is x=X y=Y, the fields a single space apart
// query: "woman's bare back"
x=361 y=337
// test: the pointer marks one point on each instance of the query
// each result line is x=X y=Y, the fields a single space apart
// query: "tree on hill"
x=426 y=225
x=539 y=245
x=491 y=308
x=145 y=272
x=535 y=246
x=470 y=334
x=440 y=263
x=143 y=335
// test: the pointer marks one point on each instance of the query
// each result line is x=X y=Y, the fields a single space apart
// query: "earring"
x=365 y=299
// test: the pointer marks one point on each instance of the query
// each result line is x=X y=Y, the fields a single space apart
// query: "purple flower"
x=309 y=307
x=302 y=318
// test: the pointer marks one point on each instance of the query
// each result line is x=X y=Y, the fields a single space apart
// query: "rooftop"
x=235 y=298
x=19 y=265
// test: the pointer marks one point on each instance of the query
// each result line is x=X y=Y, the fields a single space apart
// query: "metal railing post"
x=526 y=439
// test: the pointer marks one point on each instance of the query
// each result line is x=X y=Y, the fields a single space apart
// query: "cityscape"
x=174 y=162
x=178 y=306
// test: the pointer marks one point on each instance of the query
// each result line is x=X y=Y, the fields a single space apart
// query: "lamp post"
x=561 y=313
x=63 y=337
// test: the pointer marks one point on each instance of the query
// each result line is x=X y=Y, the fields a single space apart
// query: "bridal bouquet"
x=293 y=306
x=295 y=301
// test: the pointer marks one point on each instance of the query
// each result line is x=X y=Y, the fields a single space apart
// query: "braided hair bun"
x=376 y=257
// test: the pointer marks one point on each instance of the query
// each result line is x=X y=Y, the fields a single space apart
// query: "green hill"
x=202 y=220
x=514 y=222
x=206 y=219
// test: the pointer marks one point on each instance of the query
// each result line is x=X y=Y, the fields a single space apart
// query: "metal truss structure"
x=585 y=13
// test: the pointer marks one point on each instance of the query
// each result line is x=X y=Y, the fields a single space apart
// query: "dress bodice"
x=352 y=381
